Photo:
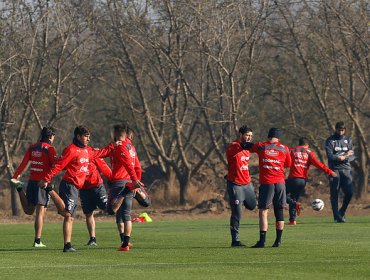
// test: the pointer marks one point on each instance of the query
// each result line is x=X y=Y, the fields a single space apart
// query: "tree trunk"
x=184 y=186
x=170 y=186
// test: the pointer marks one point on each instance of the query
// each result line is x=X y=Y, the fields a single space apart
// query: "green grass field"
x=199 y=249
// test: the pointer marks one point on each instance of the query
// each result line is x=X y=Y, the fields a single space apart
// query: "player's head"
x=130 y=133
x=47 y=134
x=245 y=134
x=303 y=141
x=340 y=128
x=82 y=134
x=120 y=132
x=274 y=133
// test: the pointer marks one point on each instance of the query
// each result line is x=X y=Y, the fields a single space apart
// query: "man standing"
x=239 y=186
x=339 y=151
x=302 y=158
x=42 y=156
x=75 y=159
x=93 y=194
x=123 y=182
x=273 y=157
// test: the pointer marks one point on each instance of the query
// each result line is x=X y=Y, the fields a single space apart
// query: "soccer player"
x=302 y=158
x=41 y=156
x=339 y=150
x=93 y=194
x=75 y=159
x=273 y=157
x=124 y=175
x=239 y=186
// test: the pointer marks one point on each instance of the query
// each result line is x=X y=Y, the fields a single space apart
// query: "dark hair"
x=46 y=132
x=303 y=141
x=274 y=133
x=339 y=125
x=81 y=130
x=120 y=129
x=244 y=129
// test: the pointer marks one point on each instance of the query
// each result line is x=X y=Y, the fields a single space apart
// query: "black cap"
x=274 y=133
x=339 y=125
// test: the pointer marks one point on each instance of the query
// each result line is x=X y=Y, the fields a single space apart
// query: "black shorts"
x=35 y=195
x=272 y=194
x=124 y=212
x=93 y=198
x=69 y=194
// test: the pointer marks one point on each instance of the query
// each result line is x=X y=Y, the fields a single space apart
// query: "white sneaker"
x=36 y=245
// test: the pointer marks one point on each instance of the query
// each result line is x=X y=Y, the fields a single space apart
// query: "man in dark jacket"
x=339 y=151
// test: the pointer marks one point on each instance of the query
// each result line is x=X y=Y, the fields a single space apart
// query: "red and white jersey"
x=273 y=158
x=302 y=158
x=75 y=160
x=95 y=167
x=238 y=164
x=124 y=161
x=41 y=156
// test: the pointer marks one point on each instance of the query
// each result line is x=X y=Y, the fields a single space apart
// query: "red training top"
x=94 y=168
x=302 y=159
x=273 y=157
x=75 y=161
x=237 y=160
x=124 y=161
x=42 y=156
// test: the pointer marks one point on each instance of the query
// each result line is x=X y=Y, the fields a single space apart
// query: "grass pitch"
x=199 y=249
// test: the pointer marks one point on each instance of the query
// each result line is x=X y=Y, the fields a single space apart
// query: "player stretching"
x=273 y=157
x=41 y=155
x=75 y=159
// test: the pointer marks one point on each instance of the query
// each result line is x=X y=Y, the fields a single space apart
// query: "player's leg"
x=27 y=207
x=334 y=193
x=266 y=193
x=39 y=222
x=89 y=200
x=250 y=201
x=235 y=200
x=279 y=201
x=291 y=201
x=142 y=197
x=69 y=194
x=347 y=188
x=126 y=217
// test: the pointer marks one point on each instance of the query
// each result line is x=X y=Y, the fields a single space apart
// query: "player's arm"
x=138 y=169
x=103 y=168
x=318 y=164
x=58 y=166
x=330 y=154
x=101 y=153
x=127 y=164
x=23 y=165
x=288 y=159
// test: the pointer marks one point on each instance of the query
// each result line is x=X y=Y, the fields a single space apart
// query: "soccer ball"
x=317 y=204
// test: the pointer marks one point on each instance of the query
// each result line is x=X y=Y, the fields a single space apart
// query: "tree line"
x=185 y=74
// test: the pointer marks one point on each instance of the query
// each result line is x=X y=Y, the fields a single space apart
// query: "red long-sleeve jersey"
x=75 y=161
x=273 y=157
x=94 y=168
x=42 y=156
x=237 y=160
x=124 y=161
x=302 y=158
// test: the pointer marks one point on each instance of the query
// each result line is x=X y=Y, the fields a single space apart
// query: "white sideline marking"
x=179 y=264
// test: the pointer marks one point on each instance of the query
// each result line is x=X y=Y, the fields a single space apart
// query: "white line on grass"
x=64 y=266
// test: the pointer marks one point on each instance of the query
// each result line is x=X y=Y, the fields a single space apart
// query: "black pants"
x=342 y=181
x=238 y=195
x=294 y=189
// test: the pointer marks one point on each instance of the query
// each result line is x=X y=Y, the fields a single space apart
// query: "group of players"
x=82 y=165
x=274 y=190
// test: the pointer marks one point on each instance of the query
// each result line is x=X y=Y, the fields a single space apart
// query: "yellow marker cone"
x=146 y=217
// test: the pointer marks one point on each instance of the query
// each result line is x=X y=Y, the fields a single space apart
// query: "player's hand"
x=42 y=184
x=341 y=158
x=350 y=153
x=137 y=184
x=333 y=174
